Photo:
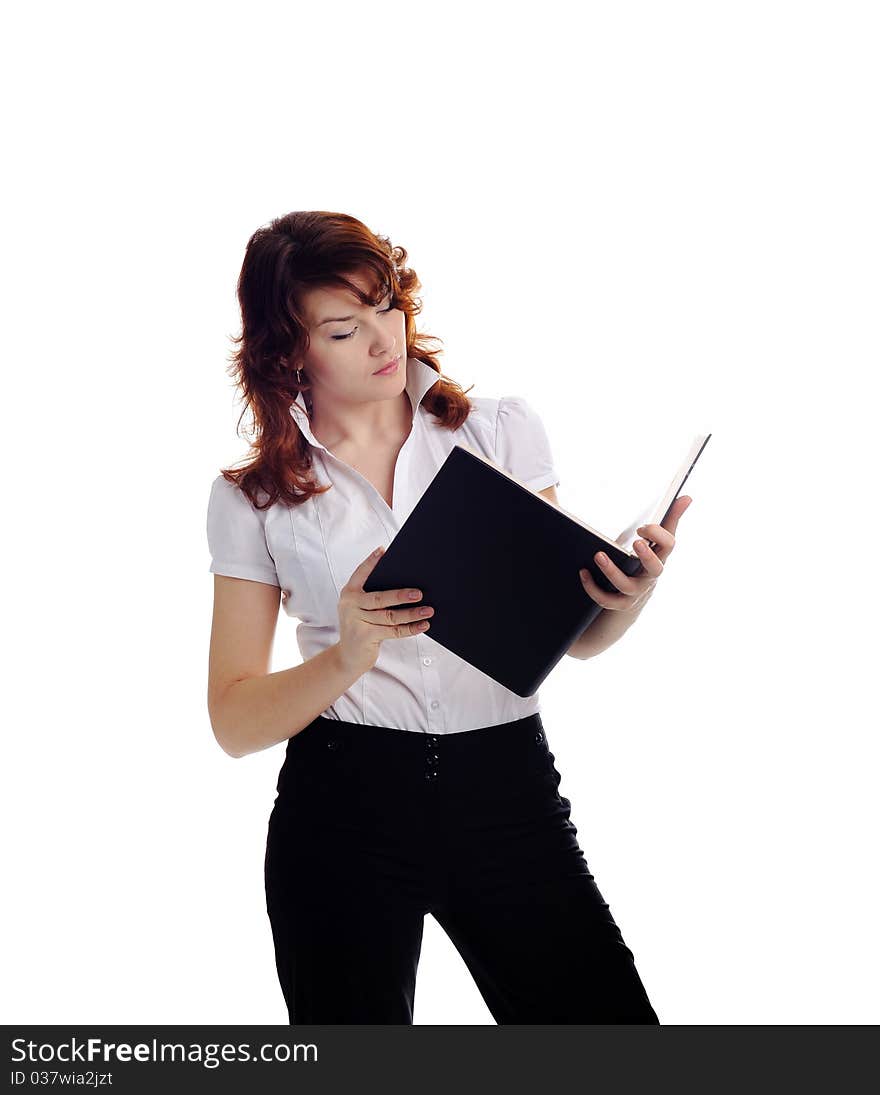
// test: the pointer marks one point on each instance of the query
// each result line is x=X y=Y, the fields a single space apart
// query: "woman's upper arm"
x=242 y=634
x=550 y=494
x=247 y=591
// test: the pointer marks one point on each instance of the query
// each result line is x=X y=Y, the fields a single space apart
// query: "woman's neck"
x=361 y=427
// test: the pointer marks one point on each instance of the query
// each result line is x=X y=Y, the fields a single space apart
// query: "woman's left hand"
x=635 y=591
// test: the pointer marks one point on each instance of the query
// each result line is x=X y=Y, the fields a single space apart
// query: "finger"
x=400 y=623
x=599 y=595
x=673 y=517
x=394 y=617
x=676 y=511
x=659 y=536
x=379 y=598
x=651 y=562
x=663 y=536
x=615 y=575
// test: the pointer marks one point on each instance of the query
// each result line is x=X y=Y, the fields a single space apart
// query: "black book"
x=499 y=564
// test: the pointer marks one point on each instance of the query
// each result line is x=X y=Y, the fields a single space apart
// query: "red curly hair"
x=299 y=251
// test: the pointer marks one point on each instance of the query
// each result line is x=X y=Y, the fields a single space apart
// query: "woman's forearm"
x=259 y=712
x=604 y=631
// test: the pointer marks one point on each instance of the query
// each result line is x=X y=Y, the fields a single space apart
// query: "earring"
x=298 y=377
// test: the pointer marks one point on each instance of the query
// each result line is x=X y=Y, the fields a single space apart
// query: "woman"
x=412 y=783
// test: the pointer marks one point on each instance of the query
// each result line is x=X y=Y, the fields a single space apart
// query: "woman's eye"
x=338 y=338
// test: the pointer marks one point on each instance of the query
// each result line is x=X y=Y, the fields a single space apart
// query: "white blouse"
x=311 y=550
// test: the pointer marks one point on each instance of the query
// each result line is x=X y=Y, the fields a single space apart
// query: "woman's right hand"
x=366 y=620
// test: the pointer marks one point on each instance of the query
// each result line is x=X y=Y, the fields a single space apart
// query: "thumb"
x=360 y=572
x=370 y=561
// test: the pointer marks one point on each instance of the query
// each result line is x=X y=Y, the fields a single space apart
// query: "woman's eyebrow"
x=344 y=319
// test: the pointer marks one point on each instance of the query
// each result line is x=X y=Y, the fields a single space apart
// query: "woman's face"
x=349 y=342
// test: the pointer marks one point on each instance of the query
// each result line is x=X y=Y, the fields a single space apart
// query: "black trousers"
x=374 y=827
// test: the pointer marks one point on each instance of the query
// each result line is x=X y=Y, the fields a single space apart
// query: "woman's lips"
x=392 y=368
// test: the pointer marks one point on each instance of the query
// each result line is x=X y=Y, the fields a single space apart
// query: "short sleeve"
x=237 y=536
x=522 y=447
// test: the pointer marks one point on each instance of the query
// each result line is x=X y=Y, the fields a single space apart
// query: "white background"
x=651 y=219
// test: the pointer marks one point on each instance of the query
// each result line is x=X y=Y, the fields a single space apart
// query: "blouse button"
x=435 y=704
x=426 y=661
